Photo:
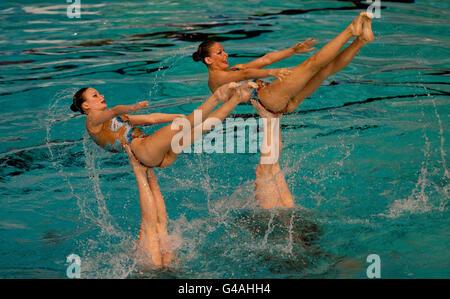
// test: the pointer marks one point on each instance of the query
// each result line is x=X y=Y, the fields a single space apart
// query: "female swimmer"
x=286 y=93
x=114 y=130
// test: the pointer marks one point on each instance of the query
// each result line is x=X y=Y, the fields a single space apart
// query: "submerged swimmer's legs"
x=271 y=189
x=277 y=95
x=156 y=150
x=287 y=200
x=153 y=236
x=337 y=64
x=267 y=194
x=149 y=240
x=161 y=227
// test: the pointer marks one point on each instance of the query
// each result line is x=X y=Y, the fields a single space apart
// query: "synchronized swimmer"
x=286 y=93
x=115 y=130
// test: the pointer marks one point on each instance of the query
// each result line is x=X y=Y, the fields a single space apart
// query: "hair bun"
x=74 y=108
x=196 y=56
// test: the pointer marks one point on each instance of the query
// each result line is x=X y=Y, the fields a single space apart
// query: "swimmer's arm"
x=223 y=77
x=276 y=56
x=153 y=118
x=265 y=60
x=96 y=118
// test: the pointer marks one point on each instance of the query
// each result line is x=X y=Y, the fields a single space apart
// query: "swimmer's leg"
x=148 y=242
x=267 y=193
x=336 y=65
x=153 y=149
x=287 y=200
x=276 y=95
x=161 y=224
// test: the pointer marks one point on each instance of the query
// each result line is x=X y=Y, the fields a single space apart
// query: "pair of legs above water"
x=271 y=189
x=156 y=150
x=154 y=243
x=153 y=240
x=285 y=95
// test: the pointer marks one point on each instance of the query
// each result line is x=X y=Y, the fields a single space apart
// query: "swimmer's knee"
x=312 y=64
x=168 y=159
x=165 y=163
x=263 y=169
x=290 y=107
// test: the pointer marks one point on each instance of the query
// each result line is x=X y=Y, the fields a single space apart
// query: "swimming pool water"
x=365 y=156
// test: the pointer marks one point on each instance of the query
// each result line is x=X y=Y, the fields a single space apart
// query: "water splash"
x=167 y=63
x=418 y=200
x=446 y=176
x=117 y=261
x=101 y=216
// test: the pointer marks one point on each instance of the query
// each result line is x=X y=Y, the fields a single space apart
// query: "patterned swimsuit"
x=115 y=133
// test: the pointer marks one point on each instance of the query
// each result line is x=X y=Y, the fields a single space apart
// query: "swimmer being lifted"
x=287 y=92
x=113 y=130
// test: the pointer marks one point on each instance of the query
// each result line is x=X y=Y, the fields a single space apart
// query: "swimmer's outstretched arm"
x=273 y=57
x=97 y=117
x=223 y=77
x=253 y=69
x=153 y=118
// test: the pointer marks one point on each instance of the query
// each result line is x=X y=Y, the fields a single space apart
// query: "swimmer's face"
x=93 y=100
x=218 y=58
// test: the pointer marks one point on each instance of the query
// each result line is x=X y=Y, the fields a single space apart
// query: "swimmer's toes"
x=368 y=15
x=367 y=33
x=356 y=25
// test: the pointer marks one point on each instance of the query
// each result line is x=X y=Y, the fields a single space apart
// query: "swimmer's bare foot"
x=356 y=26
x=367 y=34
x=263 y=112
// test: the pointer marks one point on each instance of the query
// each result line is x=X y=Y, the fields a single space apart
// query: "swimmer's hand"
x=281 y=74
x=223 y=93
x=245 y=91
x=306 y=46
x=140 y=105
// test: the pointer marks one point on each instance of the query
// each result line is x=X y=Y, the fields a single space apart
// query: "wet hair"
x=203 y=50
x=78 y=100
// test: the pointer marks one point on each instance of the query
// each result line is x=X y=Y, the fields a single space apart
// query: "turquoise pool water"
x=365 y=157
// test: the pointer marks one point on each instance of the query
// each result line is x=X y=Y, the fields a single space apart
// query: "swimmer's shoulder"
x=90 y=127
x=218 y=78
x=93 y=129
